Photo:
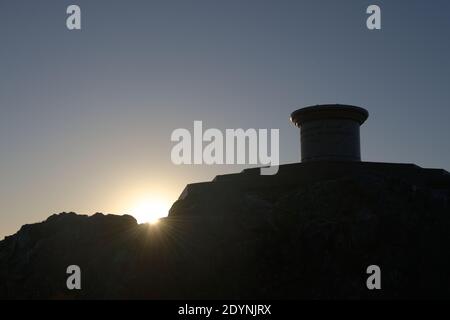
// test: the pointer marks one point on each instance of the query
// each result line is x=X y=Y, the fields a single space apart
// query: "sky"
x=86 y=116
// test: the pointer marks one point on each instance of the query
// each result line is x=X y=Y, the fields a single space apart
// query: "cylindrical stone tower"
x=330 y=132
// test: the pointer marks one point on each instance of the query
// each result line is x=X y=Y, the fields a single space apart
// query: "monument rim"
x=329 y=111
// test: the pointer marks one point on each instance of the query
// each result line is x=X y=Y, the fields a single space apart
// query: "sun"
x=150 y=210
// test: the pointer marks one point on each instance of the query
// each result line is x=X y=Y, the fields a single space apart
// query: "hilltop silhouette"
x=308 y=232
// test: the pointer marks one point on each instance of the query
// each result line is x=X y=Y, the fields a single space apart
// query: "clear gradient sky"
x=86 y=116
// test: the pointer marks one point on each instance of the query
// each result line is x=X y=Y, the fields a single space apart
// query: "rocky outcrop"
x=309 y=232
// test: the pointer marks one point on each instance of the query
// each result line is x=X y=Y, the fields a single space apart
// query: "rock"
x=309 y=232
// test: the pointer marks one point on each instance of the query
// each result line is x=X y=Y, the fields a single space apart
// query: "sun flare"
x=151 y=210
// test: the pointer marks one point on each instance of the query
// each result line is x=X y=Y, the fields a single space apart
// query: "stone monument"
x=330 y=132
